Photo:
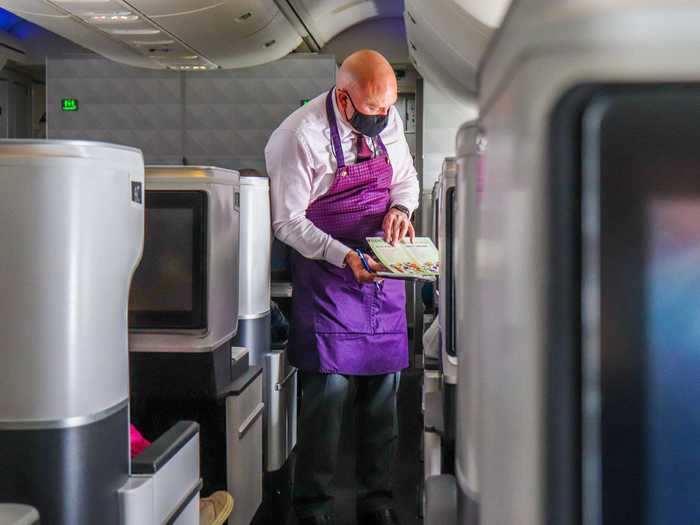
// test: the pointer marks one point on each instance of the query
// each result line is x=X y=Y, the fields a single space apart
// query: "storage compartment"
x=244 y=428
x=433 y=427
x=280 y=409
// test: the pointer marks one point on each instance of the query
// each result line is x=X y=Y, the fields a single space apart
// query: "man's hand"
x=361 y=275
x=396 y=226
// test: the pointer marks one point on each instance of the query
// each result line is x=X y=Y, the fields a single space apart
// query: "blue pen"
x=365 y=264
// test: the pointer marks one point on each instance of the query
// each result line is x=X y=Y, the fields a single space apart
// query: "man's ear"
x=344 y=103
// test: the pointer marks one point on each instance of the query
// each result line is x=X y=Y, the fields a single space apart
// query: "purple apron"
x=338 y=325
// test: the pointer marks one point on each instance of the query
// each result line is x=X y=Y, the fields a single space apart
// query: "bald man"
x=341 y=171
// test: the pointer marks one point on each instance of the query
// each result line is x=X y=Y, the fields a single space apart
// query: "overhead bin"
x=189 y=36
x=12 y=49
x=198 y=35
x=489 y=13
x=230 y=34
x=588 y=230
x=445 y=44
x=326 y=19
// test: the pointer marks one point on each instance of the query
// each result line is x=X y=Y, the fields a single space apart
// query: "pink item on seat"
x=138 y=442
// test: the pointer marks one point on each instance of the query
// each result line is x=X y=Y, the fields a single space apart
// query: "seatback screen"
x=644 y=144
x=168 y=289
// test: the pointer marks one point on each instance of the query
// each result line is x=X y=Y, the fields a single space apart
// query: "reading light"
x=152 y=42
x=134 y=31
x=114 y=18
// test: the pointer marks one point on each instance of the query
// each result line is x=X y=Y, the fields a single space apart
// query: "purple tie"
x=363 y=151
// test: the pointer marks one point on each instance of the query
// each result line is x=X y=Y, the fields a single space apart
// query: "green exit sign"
x=305 y=101
x=69 y=104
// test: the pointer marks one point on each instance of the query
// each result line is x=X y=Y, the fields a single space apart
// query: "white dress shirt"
x=301 y=165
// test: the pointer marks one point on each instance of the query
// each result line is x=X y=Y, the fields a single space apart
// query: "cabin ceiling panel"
x=234 y=19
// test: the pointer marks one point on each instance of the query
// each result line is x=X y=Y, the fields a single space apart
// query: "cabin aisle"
x=407 y=473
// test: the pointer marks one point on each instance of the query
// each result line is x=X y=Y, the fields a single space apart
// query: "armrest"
x=12 y=514
x=164 y=448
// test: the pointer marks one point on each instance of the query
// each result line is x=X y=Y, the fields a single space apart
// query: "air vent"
x=244 y=17
x=270 y=43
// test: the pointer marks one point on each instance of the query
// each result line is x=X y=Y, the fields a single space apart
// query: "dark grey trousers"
x=322 y=404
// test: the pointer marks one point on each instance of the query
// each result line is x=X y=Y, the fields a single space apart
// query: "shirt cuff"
x=336 y=253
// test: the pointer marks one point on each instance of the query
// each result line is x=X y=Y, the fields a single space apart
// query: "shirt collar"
x=345 y=130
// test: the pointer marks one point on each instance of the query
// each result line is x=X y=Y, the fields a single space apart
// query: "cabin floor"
x=408 y=470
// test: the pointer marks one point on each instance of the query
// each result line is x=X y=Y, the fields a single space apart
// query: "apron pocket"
x=343 y=308
x=390 y=311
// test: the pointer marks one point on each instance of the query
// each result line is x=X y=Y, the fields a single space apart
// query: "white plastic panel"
x=330 y=17
x=231 y=34
x=188 y=35
x=241 y=17
x=452 y=28
x=244 y=451
x=440 y=77
x=72 y=234
x=276 y=41
x=489 y=13
x=445 y=44
x=58 y=21
x=255 y=243
x=544 y=49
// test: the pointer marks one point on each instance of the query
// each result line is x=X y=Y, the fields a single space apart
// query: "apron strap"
x=381 y=145
x=335 y=136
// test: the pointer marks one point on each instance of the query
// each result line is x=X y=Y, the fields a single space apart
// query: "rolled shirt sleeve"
x=290 y=168
x=405 y=189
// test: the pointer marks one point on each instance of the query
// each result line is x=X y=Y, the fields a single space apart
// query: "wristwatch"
x=402 y=209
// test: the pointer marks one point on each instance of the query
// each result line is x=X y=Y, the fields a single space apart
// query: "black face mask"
x=369 y=125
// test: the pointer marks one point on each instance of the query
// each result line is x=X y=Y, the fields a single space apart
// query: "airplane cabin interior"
x=155 y=295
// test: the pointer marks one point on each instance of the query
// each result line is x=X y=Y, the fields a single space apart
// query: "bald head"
x=369 y=80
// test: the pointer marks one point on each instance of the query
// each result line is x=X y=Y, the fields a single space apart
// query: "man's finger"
x=367 y=278
x=390 y=220
x=374 y=265
x=411 y=232
x=403 y=231
x=396 y=230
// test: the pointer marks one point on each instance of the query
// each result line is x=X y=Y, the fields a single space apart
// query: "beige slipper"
x=215 y=509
